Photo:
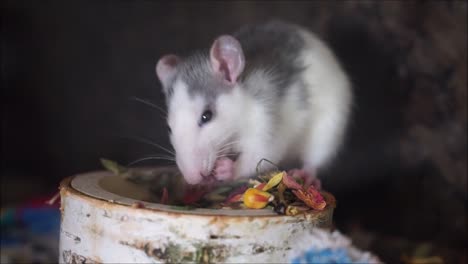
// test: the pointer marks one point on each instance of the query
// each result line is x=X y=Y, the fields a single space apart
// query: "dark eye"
x=169 y=129
x=206 y=117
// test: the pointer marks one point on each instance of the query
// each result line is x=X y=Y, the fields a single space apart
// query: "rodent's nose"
x=193 y=178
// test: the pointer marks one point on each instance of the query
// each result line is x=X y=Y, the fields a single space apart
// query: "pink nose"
x=190 y=170
x=193 y=179
x=192 y=176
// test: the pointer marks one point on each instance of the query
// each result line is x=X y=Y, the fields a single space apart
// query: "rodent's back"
x=274 y=47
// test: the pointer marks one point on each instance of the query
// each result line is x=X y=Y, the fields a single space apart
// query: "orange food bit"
x=256 y=199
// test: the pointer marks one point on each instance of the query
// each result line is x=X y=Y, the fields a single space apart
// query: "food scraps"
x=278 y=190
x=282 y=191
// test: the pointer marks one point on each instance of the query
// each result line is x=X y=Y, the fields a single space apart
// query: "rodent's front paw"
x=224 y=169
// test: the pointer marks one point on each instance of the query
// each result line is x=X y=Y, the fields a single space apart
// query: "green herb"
x=113 y=166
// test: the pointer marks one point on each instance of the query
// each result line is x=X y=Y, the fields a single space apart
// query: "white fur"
x=330 y=103
x=183 y=117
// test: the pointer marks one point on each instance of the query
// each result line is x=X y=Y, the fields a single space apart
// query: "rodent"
x=270 y=91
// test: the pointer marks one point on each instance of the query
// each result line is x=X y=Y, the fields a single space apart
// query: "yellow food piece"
x=295 y=210
x=275 y=180
x=256 y=199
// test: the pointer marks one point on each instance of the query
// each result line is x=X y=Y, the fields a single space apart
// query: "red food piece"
x=165 y=196
x=193 y=195
x=316 y=194
x=311 y=197
x=138 y=205
x=235 y=195
x=260 y=186
x=234 y=199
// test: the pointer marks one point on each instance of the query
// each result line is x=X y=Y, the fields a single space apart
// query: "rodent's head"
x=204 y=103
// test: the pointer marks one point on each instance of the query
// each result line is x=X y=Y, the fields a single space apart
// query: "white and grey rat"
x=270 y=91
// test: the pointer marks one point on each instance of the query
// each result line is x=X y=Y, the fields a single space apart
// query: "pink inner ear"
x=171 y=60
x=166 y=67
x=227 y=58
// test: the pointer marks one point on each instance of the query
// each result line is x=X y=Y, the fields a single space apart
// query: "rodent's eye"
x=169 y=129
x=206 y=117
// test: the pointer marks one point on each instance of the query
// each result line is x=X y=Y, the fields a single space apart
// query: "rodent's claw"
x=314 y=181
x=307 y=176
x=224 y=169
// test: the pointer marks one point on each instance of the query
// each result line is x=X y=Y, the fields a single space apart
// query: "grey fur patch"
x=303 y=95
x=169 y=89
x=273 y=47
x=272 y=64
x=197 y=73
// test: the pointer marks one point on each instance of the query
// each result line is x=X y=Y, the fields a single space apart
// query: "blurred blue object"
x=30 y=234
x=324 y=256
x=41 y=220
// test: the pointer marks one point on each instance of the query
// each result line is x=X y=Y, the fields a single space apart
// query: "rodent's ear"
x=166 y=68
x=227 y=57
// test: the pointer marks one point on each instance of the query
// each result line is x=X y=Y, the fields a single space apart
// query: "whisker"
x=146 y=141
x=221 y=141
x=148 y=158
x=163 y=156
x=222 y=150
x=230 y=143
x=149 y=104
x=226 y=146
x=226 y=155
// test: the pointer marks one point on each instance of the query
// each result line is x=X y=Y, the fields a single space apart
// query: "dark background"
x=69 y=69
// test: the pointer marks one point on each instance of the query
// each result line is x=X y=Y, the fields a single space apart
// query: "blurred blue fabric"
x=324 y=256
x=30 y=233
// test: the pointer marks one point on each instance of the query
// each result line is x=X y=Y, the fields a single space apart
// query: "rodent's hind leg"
x=308 y=175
